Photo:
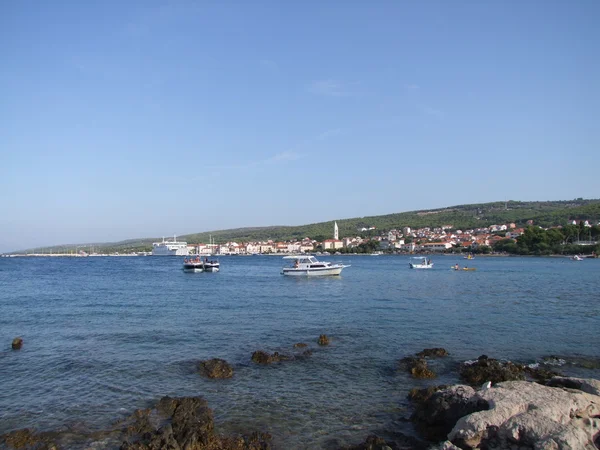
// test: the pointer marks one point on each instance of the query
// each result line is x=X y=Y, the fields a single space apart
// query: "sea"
x=103 y=336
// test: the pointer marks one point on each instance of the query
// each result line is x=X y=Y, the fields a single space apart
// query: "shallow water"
x=104 y=336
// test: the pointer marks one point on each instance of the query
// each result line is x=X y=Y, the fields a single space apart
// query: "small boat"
x=309 y=266
x=424 y=263
x=576 y=258
x=211 y=266
x=193 y=265
x=469 y=256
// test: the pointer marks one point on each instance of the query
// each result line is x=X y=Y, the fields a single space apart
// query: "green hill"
x=545 y=214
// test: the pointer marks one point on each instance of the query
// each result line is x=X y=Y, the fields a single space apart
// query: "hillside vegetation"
x=545 y=214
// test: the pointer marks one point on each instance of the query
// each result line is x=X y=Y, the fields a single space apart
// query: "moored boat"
x=309 y=266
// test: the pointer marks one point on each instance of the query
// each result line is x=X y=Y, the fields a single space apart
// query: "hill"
x=545 y=214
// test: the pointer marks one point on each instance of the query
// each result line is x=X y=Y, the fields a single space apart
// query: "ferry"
x=170 y=248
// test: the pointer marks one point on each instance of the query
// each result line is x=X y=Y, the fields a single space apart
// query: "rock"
x=528 y=415
x=417 y=367
x=487 y=369
x=433 y=353
x=189 y=425
x=586 y=385
x=419 y=396
x=216 y=368
x=323 y=340
x=261 y=357
x=435 y=416
x=446 y=445
x=17 y=343
x=300 y=345
x=402 y=442
x=540 y=374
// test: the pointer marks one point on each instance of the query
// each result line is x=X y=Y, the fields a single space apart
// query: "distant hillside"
x=459 y=217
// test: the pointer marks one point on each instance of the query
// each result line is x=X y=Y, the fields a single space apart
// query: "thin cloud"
x=431 y=111
x=283 y=157
x=328 y=134
x=332 y=88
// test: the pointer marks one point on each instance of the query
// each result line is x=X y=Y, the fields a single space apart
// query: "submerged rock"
x=173 y=424
x=437 y=352
x=261 y=357
x=300 y=345
x=528 y=415
x=189 y=425
x=417 y=367
x=323 y=340
x=402 y=442
x=17 y=343
x=216 y=368
x=488 y=369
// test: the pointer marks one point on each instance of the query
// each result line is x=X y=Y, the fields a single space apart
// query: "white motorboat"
x=170 y=248
x=577 y=258
x=309 y=266
x=211 y=266
x=193 y=265
x=420 y=262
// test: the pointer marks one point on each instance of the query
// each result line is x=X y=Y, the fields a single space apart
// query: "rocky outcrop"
x=417 y=367
x=17 y=343
x=586 y=385
x=487 y=369
x=300 y=345
x=402 y=442
x=436 y=413
x=173 y=424
x=187 y=423
x=216 y=368
x=261 y=357
x=527 y=415
x=323 y=340
x=437 y=352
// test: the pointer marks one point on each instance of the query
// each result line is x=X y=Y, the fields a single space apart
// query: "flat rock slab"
x=532 y=416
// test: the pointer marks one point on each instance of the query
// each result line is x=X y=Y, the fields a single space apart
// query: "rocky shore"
x=498 y=405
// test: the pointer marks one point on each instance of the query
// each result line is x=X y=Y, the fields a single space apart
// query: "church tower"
x=336 y=235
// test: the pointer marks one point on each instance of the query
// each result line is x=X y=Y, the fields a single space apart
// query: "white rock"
x=530 y=414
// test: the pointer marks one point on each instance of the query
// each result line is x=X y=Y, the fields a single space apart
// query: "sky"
x=151 y=118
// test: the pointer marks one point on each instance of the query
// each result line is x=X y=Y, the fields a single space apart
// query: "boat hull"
x=420 y=266
x=312 y=272
x=193 y=267
x=211 y=267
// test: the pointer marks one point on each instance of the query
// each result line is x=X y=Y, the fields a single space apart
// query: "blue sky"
x=151 y=118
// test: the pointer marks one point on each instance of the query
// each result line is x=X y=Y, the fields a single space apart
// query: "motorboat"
x=211 y=265
x=420 y=262
x=193 y=265
x=309 y=266
x=577 y=258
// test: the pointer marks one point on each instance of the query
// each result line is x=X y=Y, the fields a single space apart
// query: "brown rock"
x=323 y=340
x=300 y=345
x=437 y=352
x=417 y=367
x=17 y=343
x=216 y=368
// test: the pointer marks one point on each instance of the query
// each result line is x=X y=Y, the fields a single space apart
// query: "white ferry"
x=170 y=248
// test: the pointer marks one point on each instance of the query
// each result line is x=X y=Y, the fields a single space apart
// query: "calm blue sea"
x=106 y=335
